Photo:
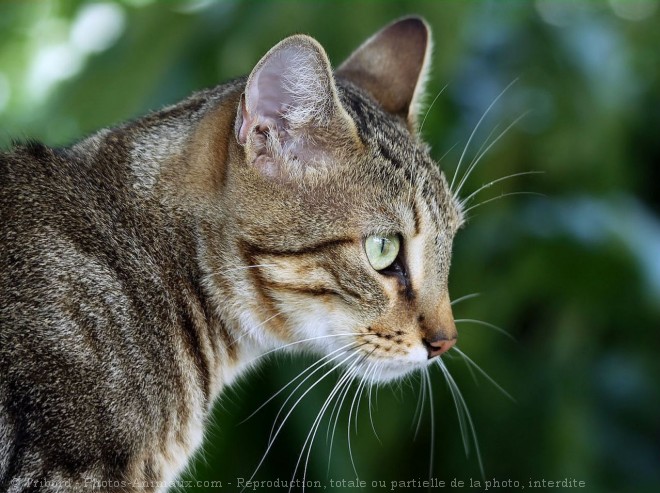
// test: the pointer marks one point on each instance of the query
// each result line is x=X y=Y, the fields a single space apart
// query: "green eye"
x=381 y=250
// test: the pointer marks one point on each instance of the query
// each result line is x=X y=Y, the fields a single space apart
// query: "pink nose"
x=441 y=346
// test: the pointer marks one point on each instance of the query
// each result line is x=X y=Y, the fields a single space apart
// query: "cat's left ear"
x=392 y=66
x=290 y=107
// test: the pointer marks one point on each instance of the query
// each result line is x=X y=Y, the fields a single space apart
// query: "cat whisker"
x=465 y=201
x=485 y=324
x=501 y=196
x=478 y=368
x=459 y=410
x=348 y=426
x=280 y=348
x=427 y=379
x=232 y=269
x=419 y=408
x=371 y=418
x=251 y=330
x=330 y=436
x=448 y=356
x=474 y=131
x=340 y=389
x=464 y=297
x=348 y=436
x=490 y=134
x=447 y=152
x=421 y=127
x=363 y=383
x=479 y=156
x=464 y=417
x=336 y=410
x=470 y=370
x=344 y=383
x=399 y=388
x=284 y=420
x=308 y=369
x=293 y=392
x=338 y=405
x=486 y=141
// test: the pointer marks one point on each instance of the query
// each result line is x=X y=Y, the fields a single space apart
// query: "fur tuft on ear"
x=289 y=97
x=393 y=66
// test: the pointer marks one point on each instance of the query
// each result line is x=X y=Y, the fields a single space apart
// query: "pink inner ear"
x=289 y=98
x=267 y=97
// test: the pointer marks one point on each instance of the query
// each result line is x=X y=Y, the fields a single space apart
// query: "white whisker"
x=251 y=330
x=459 y=410
x=348 y=437
x=485 y=324
x=465 y=297
x=284 y=420
x=490 y=184
x=345 y=382
x=419 y=409
x=448 y=151
x=309 y=368
x=361 y=389
x=476 y=160
x=430 y=387
x=501 y=196
x=232 y=269
x=371 y=418
x=478 y=368
x=421 y=127
x=350 y=413
x=336 y=411
x=293 y=392
x=463 y=413
x=279 y=348
x=474 y=131
x=486 y=141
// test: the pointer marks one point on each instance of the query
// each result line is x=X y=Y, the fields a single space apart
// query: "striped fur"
x=145 y=267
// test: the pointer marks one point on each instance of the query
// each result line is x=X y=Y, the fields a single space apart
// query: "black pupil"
x=382 y=245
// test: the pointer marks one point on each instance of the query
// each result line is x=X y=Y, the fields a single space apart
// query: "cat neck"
x=174 y=160
x=177 y=153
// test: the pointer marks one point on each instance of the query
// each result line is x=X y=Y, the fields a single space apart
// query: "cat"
x=145 y=267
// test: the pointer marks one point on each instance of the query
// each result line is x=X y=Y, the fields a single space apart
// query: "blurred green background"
x=572 y=274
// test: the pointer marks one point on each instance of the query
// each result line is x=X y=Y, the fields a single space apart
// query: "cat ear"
x=289 y=97
x=392 y=66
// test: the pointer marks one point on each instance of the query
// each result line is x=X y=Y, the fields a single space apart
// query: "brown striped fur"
x=146 y=266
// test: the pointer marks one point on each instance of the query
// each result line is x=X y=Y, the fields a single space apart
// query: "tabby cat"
x=145 y=267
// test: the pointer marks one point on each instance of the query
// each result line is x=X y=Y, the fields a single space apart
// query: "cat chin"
x=392 y=370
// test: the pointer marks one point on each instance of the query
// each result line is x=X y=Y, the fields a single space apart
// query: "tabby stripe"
x=217 y=329
x=306 y=250
x=192 y=340
x=309 y=290
x=416 y=217
x=387 y=154
x=339 y=282
x=267 y=301
x=228 y=340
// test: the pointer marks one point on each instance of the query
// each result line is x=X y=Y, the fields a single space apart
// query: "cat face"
x=341 y=222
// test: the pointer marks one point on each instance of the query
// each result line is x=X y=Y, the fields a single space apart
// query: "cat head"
x=338 y=225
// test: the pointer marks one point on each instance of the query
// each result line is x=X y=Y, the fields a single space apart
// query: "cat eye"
x=381 y=250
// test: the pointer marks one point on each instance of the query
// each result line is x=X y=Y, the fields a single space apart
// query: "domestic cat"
x=145 y=267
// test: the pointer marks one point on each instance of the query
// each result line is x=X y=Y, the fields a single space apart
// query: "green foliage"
x=573 y=275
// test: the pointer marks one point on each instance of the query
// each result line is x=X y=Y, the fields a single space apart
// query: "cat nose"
x=439 y=329
x=438 y=346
